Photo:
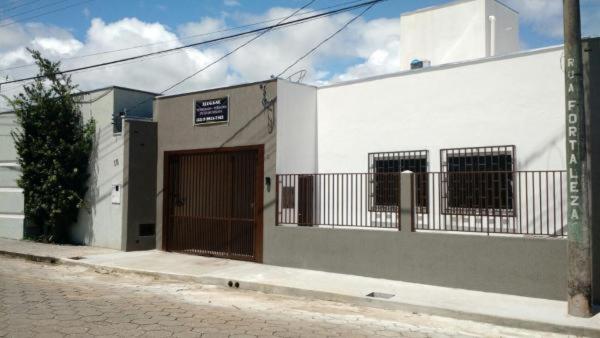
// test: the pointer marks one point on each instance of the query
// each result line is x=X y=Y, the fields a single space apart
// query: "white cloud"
x=56 y=46
x=546 y=16
x=374 y=42
x=231 y=3
x=204 y=26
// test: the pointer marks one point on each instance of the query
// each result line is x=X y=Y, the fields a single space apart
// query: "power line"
x=45 y=13
x=258 y=30
x=370 y=4
x=222 y=57
x=327 y=39
x=185 y=37
x=8 y=9
x=234 y=50
x=35 y=9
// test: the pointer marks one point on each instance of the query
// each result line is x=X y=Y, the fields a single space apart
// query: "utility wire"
x=235 y=49
x=258 y=30
x=45 y=13
x=207 y=66
x=185 y=37
x=222 y=57
x=271 y=121
x=8 y=9
x=35 y=9
x=327 y=39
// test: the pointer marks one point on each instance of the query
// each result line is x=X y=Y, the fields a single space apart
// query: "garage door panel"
x=211 y=206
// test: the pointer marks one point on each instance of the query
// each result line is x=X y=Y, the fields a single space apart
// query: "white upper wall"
x=505 y=35
x=511 y=100
x=458 y=31
x=296 y=120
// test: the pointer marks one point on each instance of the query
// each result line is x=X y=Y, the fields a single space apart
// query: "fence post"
x=276 y=199
x=406 y=209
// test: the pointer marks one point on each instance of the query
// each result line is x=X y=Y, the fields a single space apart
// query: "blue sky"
x=92 y=26
x=173 y=13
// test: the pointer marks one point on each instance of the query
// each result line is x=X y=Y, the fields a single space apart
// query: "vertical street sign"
x=579 y=281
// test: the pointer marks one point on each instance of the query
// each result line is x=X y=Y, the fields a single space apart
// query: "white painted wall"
x=11 y=197
x=296 y=120
x=100 y=223
x=512 y=100
x=507 y=28
x=455 y=32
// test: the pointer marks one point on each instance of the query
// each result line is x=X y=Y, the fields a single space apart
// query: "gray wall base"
x=532 y=267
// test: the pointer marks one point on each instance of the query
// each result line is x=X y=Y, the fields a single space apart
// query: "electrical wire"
x=45 y=13
x=234 y=50
x=35 y=9
x=186 y=37
x=327 y=39
x=258 y=30
x=8 y=9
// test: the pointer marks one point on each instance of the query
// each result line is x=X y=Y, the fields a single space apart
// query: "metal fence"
x=510 y=202
x=353 y=200
x=505 y=202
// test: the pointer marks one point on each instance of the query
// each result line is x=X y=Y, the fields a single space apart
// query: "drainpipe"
x=492 y=35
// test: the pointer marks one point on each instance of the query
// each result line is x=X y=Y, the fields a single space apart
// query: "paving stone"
x=58 y=301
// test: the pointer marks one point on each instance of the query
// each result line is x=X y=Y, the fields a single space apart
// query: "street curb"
x=320 y=295
x=30 y=257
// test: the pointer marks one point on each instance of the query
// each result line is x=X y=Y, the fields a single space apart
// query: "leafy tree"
x=53 y=145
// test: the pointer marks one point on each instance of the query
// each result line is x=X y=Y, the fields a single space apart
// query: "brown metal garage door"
x=213 y=203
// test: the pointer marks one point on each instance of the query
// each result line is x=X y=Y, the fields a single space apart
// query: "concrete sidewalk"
x=530 y=313
x=48 y=251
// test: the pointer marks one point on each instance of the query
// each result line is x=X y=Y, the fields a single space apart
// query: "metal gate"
x=213 y=202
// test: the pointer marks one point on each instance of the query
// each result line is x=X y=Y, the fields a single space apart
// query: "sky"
x=71 y=30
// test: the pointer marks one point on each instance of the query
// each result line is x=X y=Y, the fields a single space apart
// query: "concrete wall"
x=296 y=128
x=512 y=100
x=137 y=103
x=248 y=125
x=506 y=35
x=11 y=197
x=531 y=267
x=139 y=184
x=454 y=32
x=499 y=101
x=100 y=222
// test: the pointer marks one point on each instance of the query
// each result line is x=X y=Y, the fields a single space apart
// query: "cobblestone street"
x=61 y=301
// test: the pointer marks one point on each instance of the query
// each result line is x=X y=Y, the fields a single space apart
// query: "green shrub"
x=53 y=145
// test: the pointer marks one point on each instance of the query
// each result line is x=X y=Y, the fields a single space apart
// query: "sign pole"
x=579 y=279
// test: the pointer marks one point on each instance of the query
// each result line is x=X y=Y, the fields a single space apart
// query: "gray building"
x=214 y=169
x=119 y=211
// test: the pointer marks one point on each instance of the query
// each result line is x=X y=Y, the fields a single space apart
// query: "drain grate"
x=380 y=295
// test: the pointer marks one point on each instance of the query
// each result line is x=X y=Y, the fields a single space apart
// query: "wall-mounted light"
x=268 y=183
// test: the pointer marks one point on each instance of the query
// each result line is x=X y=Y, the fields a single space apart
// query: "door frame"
x=259 y=194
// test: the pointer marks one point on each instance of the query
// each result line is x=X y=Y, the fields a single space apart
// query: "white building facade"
x=458 y=31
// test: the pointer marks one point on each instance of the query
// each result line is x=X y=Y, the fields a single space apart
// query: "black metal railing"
x=510 y=202
x=500 y=202
x=353 y=200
